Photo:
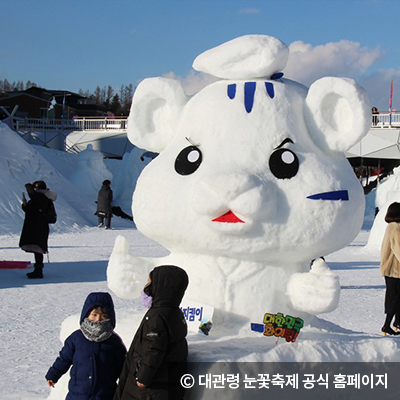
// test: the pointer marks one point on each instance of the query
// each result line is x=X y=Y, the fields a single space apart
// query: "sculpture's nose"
x=244 y=195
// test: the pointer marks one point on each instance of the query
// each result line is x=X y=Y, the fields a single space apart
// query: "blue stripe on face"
x=270 y=89
x=336 y=195
x=232 y=91
x=249 y=90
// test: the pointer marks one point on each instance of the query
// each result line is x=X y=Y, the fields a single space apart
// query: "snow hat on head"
x=99 y=299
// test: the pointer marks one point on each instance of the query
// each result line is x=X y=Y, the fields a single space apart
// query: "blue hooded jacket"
x=96 y=366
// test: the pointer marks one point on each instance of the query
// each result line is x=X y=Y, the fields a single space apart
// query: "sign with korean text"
x=279 y=325
x=197 y=314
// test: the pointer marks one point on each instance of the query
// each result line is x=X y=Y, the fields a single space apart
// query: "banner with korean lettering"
x=197 y=314
x=279 y=325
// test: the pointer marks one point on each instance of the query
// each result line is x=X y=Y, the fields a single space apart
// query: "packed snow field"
x=33 y=311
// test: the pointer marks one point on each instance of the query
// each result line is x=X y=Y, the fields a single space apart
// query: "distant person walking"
x=104 y=208
x=35 y=231
x=390 y=268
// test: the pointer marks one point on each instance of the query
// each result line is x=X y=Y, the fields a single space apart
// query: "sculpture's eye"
x=284 y=164
x=188 y=160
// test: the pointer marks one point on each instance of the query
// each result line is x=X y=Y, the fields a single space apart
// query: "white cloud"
x=344 y=58
x=378 y=85
x=309 y=63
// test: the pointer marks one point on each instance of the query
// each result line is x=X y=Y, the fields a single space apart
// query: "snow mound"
x=21 y=163
x=387 y=192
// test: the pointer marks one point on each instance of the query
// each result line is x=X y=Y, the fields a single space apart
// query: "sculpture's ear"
x=155 y=113
x=337 y=113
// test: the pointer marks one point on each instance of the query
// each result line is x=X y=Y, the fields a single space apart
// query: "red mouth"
x=229 y=217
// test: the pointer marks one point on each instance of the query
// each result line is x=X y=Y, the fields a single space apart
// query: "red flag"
x=391 y=97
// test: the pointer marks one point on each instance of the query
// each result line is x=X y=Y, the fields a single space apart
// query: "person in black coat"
x=158 y=354
x=104 y=208
x=95 y=352
x=35 y=231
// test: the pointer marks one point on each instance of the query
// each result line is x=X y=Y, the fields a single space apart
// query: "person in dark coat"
x=375 y=114
x=95 y=352
x=35 y=231
x=158 y=354
x=104 y=208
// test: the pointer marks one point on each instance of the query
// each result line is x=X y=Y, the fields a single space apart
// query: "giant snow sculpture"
x=251 y=182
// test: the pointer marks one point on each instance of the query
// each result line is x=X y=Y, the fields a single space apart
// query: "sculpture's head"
x=252 y=166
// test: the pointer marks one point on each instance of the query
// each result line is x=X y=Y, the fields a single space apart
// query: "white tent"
x=381 y=143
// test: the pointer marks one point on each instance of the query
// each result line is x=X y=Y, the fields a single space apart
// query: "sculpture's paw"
x=126 y=275
x=315 y=292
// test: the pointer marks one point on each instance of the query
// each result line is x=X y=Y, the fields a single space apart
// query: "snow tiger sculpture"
x=250 y=184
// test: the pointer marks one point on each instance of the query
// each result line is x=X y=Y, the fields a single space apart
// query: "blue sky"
x=78 y=44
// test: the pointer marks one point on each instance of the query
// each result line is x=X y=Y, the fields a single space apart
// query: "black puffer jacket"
x=104 y=200
x=35 y=231
x=158 y=353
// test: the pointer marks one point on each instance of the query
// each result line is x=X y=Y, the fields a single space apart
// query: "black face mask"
x=147 y=289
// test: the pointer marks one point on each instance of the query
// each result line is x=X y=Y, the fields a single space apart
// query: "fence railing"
x=76 y=124
x=384 y=119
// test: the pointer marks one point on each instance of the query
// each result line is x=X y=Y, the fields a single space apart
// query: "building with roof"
x=38 y=102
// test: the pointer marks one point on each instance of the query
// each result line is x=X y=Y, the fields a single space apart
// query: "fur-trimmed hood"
x=48 y=193
x=99 y=299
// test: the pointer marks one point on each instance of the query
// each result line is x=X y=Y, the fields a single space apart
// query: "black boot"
x=37 y=273
x=389 y=331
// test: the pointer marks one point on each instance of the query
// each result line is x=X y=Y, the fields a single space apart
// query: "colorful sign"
x=198 y=316
x=279 y=325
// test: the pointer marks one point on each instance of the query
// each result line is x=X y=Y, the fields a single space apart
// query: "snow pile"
x=125 y=175
x=250 y=185
x=20 y=163
x=387 y=192
x=76 y=178
x=370 y=207
x=90 y=172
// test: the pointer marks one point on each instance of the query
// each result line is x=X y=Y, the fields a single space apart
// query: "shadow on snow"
x=65 y=272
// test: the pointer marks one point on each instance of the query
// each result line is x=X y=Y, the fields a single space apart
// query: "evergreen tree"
x=109 y=96
x=115 y=105
x=126 y=100
x=97 y=95
x=6 y=86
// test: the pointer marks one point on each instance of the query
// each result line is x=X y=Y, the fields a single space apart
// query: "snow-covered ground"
x=32 y=311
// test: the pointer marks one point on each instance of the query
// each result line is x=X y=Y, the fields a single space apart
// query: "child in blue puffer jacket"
x=95 y=352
